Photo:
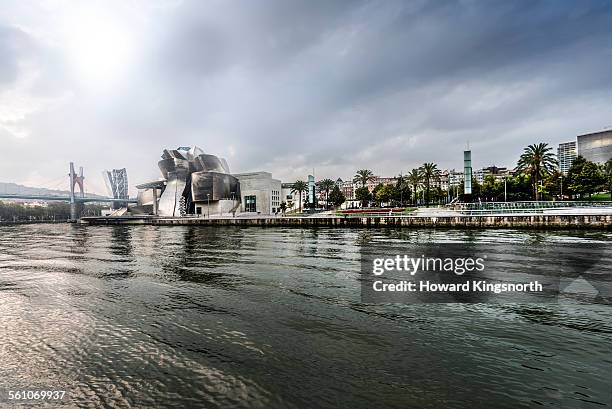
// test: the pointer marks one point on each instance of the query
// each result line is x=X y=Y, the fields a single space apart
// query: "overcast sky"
x=288 y=86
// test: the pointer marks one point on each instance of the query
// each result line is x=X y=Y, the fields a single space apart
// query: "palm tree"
x=327 y=185
x=299 y=187
x=283 y=207
x=538 y=161
x=414 y=179
x=429 y=172
x=363 y=176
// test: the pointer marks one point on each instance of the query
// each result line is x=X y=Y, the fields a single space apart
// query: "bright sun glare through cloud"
x=98 y=47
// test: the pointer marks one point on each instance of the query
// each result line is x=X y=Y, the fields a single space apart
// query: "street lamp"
x=208 y=204
x=561 y=187
x=505 y=188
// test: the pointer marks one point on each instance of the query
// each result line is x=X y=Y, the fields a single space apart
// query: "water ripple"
x=146 y=316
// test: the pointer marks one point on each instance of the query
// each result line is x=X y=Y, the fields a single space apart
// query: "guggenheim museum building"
x=195 y=183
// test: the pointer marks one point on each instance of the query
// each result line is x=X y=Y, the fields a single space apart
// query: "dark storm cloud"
x=289 y=86
x=309 y=67
x=202 y=38
x=13 y=43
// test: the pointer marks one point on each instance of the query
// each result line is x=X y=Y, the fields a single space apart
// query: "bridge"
x=75 y=200
x=47 y=198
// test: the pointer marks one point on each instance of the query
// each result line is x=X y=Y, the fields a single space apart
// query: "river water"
x=214 y=317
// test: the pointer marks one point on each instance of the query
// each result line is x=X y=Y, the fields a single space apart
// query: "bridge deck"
x=48 y=198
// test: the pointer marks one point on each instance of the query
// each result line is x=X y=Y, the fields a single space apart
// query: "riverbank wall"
x=11 y=222
x=565 y=221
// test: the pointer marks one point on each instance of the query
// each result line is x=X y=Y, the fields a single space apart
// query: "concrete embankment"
x=564 y=221
x=11 y=222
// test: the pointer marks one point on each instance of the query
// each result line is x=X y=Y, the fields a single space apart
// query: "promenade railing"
x=375 y=212
x=527 y=207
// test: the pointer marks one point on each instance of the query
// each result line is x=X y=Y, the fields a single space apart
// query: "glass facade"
x=596 y=147
x=312 y=192
x=467 y=172
x=250 y=203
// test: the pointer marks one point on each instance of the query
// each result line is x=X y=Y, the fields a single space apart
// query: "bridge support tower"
x=76 y=180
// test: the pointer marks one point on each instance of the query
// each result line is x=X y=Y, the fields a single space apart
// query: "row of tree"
x=537 y=176
x=583 y=177
x=18 y=211
x=10 y=211
x=406 y=187
x=333 y=195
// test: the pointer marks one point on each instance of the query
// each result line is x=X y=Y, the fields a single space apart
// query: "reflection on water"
x=144 y=316
x=121 y=242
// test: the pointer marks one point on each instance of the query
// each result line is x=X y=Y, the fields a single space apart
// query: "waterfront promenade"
x=443 y=218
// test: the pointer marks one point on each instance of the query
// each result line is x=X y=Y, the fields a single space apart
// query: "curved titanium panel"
x=176 y=172
x=175 y=153
x=214 y=186
x=196 y=151
x=225 y=165
x=173 y=165
x=145 y=197
x=210 y=163
x=195 y=166
x=192 y=176
x=170 y=201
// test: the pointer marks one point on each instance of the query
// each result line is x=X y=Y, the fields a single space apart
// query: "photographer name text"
x=467 y=286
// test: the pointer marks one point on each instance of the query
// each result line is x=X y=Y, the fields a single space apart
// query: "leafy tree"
x=436 y=194
x=476 y=188
x=492 y=188
x=552 y=183
x=363 y=194
x=538 y=161
x=326 y=185
x=519 y=187
x=414 y=179
x=429 y=172
x=585 y=177
x=607 y=170
x=375 y=193
x=336 y=196
x=299 y=187
x=52 y=211
x=573 y=174
x=363 y=176
x=385 y=193
x=402 y=190
x=283 y=207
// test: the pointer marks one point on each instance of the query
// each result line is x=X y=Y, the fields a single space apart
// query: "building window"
x=275 y=198
x=250 y=203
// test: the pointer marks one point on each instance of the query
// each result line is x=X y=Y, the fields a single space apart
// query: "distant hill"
x=14 y=189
